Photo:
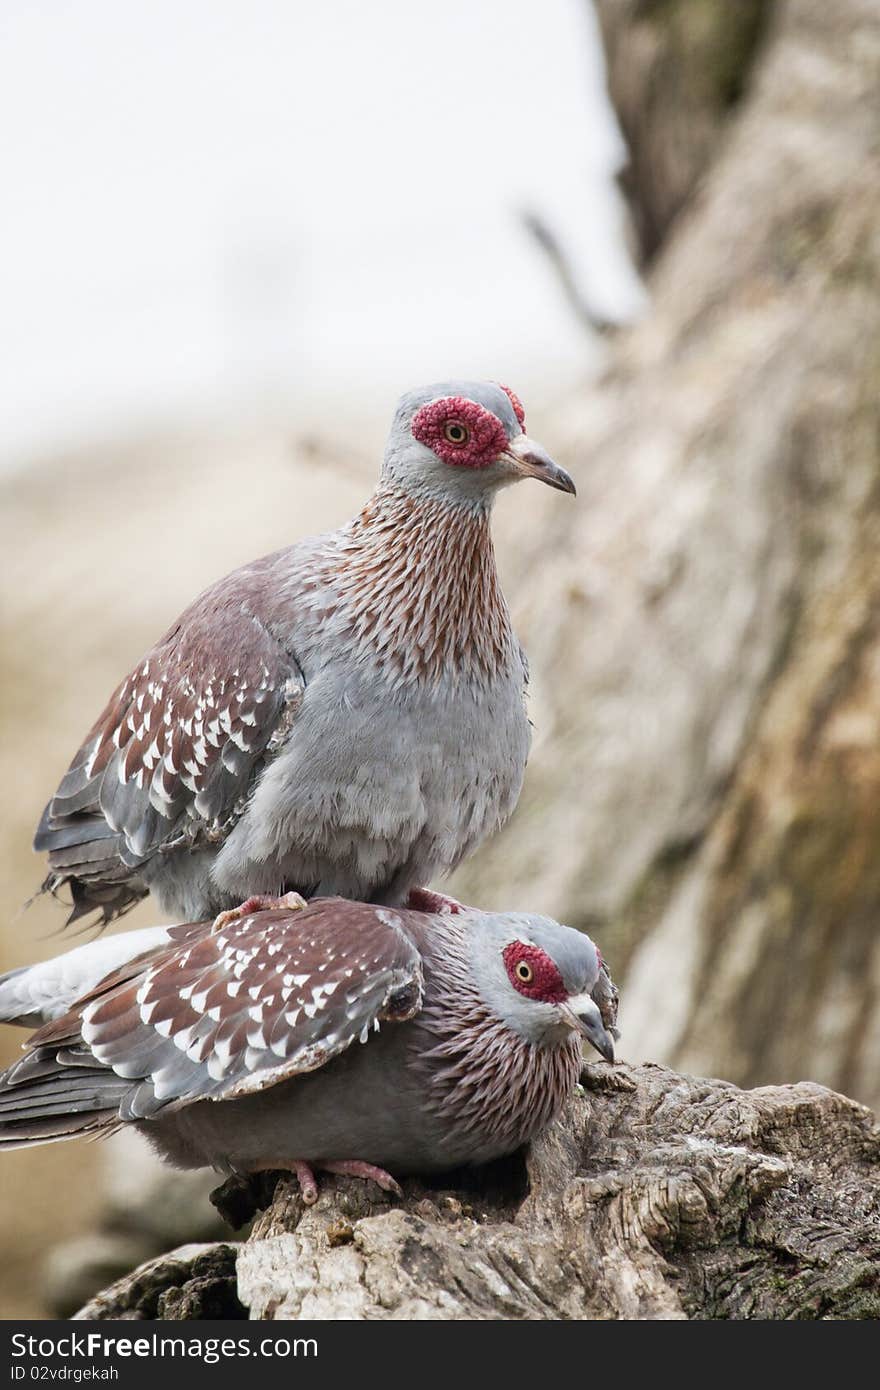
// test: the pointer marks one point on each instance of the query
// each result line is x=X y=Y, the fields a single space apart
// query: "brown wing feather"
x=217 y=1014
x=172 y=756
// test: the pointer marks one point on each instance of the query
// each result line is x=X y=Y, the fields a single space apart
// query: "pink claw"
x=307 y=1185
x=260 y=902
x=301 y=1170
x=345 y=1167
x=355 y=1168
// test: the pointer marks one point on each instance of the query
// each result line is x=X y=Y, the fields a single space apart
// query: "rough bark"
x=676 y=68
x=705 y=642
x=193 y=1282
x=655 y=1196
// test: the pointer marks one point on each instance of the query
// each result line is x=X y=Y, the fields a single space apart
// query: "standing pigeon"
x=232 y=1045
x=345 y=716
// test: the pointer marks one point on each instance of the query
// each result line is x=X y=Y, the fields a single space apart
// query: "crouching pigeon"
x=334 y=1035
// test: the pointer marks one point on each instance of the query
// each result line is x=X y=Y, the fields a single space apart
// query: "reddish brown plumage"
x=262 y=996
x=183 y=711
x=170 y=759
x=419 y=581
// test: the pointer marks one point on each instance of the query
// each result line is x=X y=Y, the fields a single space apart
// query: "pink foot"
x=303 y=1173
x=424 y=900
x=345 y=1167
x=307 y=1185
x=260 y=902
x=354 y=1168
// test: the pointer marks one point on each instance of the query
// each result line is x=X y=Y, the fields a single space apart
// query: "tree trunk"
x=705 y=639
x=654 y=1196
x=676 y=68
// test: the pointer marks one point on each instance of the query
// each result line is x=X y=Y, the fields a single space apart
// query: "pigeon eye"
x=456 y=432
x=524 y=972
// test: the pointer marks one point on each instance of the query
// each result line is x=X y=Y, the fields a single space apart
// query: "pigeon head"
x=465 y=440
x=538 y=977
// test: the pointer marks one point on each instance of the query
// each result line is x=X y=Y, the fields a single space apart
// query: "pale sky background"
x=218 y=206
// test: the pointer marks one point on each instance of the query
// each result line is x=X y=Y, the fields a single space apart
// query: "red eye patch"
x=532 y=973
x=460 y=432
x=517 y=405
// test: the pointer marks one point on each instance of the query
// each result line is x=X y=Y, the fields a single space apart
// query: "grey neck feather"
x=421 y=475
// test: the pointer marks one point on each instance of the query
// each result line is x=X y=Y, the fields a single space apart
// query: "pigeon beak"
x=529 y=460
x=582 y=1015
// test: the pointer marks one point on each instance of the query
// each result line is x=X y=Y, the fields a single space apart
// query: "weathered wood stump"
x=654 y=1196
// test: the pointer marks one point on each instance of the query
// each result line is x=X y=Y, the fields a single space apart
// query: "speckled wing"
x=172 y=758
x=215 y=1015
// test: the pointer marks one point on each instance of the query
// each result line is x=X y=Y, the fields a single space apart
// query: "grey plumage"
x=336 y=1032
x=343 y=716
